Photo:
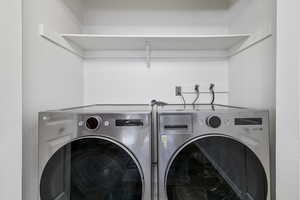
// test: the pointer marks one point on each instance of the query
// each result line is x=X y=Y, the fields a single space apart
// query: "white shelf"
x=151 y=46
x=156 y=42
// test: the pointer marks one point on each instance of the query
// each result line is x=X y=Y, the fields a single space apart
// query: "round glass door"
x=91 y=169
x=216 y=168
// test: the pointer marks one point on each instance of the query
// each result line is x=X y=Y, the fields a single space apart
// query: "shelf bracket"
x=148 y=53
x=58 y=40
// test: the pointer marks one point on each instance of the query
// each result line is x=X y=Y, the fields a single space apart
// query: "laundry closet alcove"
x=79 y=52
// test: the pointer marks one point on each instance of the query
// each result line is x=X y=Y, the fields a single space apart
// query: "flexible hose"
x=211 y=88
x=184 y=102
x=198 y=95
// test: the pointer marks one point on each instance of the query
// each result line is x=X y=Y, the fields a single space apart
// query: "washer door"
x=216 y=168
x=92 y=169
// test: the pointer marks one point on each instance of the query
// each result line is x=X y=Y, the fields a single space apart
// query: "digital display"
x=174 y=127
x=248 y=121
x=129 y=122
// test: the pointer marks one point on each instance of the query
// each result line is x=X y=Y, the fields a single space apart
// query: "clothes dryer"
x=95 y=153
x=213 y=153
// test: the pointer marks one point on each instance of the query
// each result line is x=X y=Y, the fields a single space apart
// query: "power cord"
x=198 y=95
x=184 y=102
x=212 y=91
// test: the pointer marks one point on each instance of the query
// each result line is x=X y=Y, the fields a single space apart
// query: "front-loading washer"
x=213 y=153
x=95 y=153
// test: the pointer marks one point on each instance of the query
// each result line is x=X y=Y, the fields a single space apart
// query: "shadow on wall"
x=154 y=4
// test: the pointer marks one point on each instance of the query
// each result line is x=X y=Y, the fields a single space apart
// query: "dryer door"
x=92 y=169
x=216 y=168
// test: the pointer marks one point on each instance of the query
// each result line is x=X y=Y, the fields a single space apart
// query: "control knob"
x=213 y=121
x=93 y=123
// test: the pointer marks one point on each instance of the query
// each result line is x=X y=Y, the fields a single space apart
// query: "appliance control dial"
x=93 y=122
x=213 y=121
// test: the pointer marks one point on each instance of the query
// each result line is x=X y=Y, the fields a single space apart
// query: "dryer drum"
x=91 y=169
x=216 y=168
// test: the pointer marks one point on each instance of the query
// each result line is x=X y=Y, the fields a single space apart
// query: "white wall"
x=52 y=78
x=252 y=77
x=251 y=16
x=155 y=17
x=125 y=81
x=11 y=100
x=288 y=98
x=130 y=81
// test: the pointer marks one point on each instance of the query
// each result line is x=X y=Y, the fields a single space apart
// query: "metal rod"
x=148 y=54
x=204 y=92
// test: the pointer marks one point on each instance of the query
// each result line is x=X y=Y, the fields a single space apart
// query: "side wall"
x=52 y=78
x=129 y=81
x=288 y=101
x=11 y=100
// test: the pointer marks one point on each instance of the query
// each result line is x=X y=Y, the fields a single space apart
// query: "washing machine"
x=95 y=153
x=213 y=153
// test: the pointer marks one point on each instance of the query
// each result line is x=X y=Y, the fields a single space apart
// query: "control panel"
x=95 y=122
x=187 y=124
